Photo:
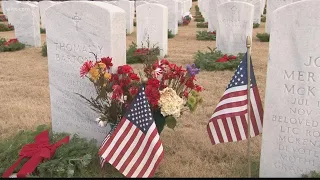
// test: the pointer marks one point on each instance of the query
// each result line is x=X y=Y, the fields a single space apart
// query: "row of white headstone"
x=31 y=19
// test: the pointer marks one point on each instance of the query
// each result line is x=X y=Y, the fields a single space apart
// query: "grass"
x=263 y=37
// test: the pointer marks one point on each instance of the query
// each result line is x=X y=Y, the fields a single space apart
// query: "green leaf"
x=171 y=122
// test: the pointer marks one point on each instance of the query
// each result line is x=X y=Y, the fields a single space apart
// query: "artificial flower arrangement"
x=170 y=90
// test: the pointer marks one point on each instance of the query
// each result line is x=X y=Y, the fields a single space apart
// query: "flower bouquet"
x=170 y=90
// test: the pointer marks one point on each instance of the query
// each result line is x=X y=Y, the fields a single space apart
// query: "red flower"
x=117 y=92
x=154 y=83
x=107 y=61
x=134 y=77
x=153 y=95
x=198 y=88
x=125 y=69
x=124 y=82
x=190 y=83
x=85 y=68
x=133 y=91
x=164 y=61
x=212 y=32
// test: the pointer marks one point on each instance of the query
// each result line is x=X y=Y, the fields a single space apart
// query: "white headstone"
x=291 y=130
x=138 y=3
x=43 y=5
x=205 y=9
x=26 y=23
x=152 y=23
x=3 y=7
x=257 y=9
x=172 y=6
x=10 y=8
x=180 y=11
x=73 y=30
x=263 y=5
x=213 y=14
x=128 y=7
x=235 y=24
x=271 y=6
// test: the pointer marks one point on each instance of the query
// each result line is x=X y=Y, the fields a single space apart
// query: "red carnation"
x=153 y=82
x=165 y=62
x=85 y=68
x=125 y=69
x=107 y=61
x=153 y=95
x=134 y=77
x=117 y=92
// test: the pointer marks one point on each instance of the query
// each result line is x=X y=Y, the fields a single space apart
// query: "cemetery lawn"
x=25 y=104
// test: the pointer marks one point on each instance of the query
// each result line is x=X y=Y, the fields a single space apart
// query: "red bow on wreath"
x=226 y=58
x=37 y=152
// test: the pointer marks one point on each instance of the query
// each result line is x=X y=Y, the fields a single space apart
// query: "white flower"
x=97 y=119
x=103 y=123
x=170 y=103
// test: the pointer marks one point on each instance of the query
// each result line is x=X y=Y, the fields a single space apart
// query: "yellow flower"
x=95 y=71
x=107 y=76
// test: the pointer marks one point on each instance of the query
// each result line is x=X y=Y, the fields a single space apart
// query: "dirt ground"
x=25 y=104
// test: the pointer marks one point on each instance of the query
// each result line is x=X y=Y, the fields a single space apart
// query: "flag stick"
x=249 y=102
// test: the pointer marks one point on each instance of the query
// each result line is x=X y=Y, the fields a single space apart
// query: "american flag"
x=134 y=146
x=229 y=121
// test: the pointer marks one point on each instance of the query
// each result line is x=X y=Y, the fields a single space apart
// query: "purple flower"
x=192 y=69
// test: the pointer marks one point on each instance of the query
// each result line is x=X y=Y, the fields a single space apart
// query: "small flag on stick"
x=229 y=123
x=134 y=146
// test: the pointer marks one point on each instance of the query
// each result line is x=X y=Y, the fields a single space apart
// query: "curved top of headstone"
x=102 y=5
x=239 y=3
x=151 y=4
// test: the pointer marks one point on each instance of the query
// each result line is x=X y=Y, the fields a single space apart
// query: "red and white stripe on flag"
x=134 y=146
x=229 y=121
x=132 y=152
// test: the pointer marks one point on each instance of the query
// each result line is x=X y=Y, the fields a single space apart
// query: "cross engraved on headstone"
x=76 y=20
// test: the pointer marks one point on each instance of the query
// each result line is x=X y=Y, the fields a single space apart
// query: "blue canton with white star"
x=139 y=112
x=240 y=77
